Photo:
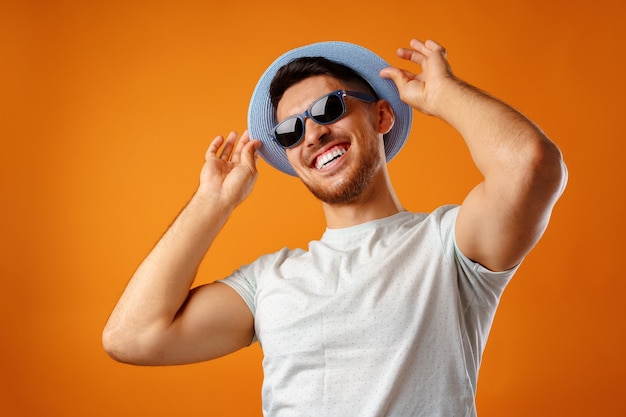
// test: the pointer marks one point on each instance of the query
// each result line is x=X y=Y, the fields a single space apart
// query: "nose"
x=314 y=132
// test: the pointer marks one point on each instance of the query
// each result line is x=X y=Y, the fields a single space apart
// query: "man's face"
x=336 y=161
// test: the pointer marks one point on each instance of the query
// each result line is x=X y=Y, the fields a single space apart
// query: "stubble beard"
x=350 y=187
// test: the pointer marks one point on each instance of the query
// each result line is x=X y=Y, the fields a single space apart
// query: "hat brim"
x=363 y=61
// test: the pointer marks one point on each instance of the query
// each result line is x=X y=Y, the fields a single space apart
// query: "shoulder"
x=440 y=221
x=271 y=260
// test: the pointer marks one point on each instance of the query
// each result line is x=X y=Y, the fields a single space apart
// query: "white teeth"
x=329 y=156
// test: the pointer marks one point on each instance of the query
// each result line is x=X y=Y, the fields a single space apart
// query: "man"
x=388 y=313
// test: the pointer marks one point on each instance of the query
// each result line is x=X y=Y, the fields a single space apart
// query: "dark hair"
x=302 y=68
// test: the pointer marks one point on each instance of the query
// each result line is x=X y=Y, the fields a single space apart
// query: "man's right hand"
x=229 y=171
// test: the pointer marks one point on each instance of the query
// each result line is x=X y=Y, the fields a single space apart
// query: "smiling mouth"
x=329 y=157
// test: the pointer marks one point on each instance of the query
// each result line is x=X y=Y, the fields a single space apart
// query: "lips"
x=326 y=158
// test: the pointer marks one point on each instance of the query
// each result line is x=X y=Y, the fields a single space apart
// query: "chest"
x=340 y=300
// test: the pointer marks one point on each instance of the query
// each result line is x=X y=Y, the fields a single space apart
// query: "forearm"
x=503 y=217
x=161 y=284
x=503 y=142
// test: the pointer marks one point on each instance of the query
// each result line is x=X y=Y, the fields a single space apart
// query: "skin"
x=159 y=320
x=361 y=170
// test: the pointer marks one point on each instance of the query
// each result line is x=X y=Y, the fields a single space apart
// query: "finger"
x=397 y=75
x=236 y=156
x=249 y=154
x=435 y=47
x=214 y=147
x=391 y=73
x=228 y=147
x=420 y=47
x=411 y=55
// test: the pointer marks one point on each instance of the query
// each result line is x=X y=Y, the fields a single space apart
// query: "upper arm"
x=213 y=321
x=504 y=216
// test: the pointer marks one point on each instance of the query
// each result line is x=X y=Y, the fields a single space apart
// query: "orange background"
x=108 y=107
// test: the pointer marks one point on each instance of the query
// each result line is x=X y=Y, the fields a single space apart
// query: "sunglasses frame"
x=341 y=94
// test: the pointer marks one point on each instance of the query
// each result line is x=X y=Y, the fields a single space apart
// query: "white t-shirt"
x=386 y=318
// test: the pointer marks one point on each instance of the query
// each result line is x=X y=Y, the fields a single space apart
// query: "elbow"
x=135 y=346
x=545 y=161
x=555 y=175
x=122 y=347
x=114 y=345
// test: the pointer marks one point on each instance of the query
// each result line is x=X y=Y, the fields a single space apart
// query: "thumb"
x=394 y=74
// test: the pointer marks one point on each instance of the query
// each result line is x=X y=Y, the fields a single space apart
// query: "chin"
x=347 y=189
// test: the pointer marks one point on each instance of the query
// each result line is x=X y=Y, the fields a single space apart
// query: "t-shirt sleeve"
x=478 y=284
x=243 y=281
x=487 y=286
x=244 y=284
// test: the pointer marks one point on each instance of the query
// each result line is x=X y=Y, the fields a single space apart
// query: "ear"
x=386 y=117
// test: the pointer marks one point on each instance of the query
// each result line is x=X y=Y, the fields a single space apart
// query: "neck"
x=377 y=202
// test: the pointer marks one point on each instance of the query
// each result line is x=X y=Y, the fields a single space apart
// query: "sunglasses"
x=325 y=110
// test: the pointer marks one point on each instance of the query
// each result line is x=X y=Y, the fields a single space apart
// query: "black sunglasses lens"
x=327 y=109
x=289 y=131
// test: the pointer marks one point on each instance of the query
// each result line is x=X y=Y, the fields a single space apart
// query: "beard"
x=349 y=188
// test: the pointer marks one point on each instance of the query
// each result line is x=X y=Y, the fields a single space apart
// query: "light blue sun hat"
x=261 y=113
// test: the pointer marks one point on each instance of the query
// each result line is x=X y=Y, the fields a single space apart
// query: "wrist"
x=452 y=98
x=208 y=201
